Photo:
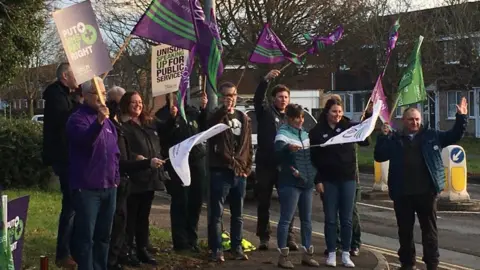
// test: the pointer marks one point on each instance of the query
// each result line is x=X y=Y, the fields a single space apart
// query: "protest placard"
x=168 y=64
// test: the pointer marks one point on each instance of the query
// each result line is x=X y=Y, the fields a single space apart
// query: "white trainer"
x=347 y=262
x=332 y=259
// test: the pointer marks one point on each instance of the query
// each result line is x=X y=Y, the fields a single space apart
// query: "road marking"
x=444 y=265
x=438 y=212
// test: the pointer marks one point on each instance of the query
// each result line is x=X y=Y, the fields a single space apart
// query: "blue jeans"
x=289 y=198
x=93 y=224
x=224 y=183
x=67 y=214
x=339 y=199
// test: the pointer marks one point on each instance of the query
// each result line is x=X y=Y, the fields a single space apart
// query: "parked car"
x=38 y=118
x=310 y=122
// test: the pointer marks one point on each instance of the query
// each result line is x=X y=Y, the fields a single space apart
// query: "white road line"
x=438 y=212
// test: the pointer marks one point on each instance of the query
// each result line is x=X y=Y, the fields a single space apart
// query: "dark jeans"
x=338 y=200
x=425 y=206
x=138 y=223
x=185 y=206
x=267 y=178
x=117 y=241
x=224 y=183
x=289 y=198
x=356 y=228
x=94 y=210
x=67 y=214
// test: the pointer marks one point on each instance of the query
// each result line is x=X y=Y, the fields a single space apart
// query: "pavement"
x=263 y=260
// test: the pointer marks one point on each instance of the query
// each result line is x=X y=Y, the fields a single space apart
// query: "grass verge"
x=41 y=233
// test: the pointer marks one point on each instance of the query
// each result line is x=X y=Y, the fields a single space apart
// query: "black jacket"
x=269 y=121
x=144 y=140
x=335 y=162
x=175 y=130
x=58 y=107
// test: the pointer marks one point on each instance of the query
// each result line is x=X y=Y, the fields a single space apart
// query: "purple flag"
x=168 y=22
x=208 y=44
x=393 y=36
x=320 y=43
x=184 y=83
x=379 y=94
x=271 y=50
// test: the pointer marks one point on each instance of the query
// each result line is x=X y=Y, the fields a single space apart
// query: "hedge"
x=20 y=154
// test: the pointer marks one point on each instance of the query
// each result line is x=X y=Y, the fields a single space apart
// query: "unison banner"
x=168 y=65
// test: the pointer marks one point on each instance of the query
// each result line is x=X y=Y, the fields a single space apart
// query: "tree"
x=21 y=21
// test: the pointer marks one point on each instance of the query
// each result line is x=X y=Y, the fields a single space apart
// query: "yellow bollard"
x=380 y=176
x=455 y=163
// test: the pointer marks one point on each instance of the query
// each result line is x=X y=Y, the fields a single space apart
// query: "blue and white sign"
x=457 y=155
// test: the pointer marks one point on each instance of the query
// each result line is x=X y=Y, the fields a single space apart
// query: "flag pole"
x=119 y=53
x=289 y=63
x=243 y=73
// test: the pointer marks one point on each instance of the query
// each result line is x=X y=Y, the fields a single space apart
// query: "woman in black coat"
x=143 y=140
x=118 y=255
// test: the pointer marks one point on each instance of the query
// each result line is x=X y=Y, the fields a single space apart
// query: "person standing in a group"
x=230 y=160
x=295 y=185
x=186 y=202
x=336 y=172
x=143 y=140
x=114 y=95
x=94 y=177
x=59 y=105
x=269 y=120
x=415 y=177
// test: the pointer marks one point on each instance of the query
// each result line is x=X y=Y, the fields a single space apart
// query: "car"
x=38 y=118
x=309 y=123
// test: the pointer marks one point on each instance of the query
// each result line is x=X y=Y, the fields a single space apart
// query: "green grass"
x=470 y=144
x=41 y=232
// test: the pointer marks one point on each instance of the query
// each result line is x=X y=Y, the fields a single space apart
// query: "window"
x=358 y=102
x=450 y=52
x=41 y=104
x=346 y=102
x=454 y=97
x=399 y=112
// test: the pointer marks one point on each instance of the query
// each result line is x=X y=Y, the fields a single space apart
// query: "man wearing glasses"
x=93 y=177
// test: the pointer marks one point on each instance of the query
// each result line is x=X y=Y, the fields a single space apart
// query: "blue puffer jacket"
x=391 y=148
x=290 y=161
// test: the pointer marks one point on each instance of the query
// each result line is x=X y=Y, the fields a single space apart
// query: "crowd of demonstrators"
x=269 y=120
x=416 y=176
x=336 y=178
x=59 y=104
x=230 y=155
x=295 y=185
x=186 y=202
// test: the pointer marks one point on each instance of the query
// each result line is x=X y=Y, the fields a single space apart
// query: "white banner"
x=179 y=153
x=358 y=132
x=168 y=63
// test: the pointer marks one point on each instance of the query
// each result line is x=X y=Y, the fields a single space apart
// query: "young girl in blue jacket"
x=295 y=184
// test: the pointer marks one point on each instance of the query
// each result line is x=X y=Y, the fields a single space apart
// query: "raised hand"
x=462 y=107
x=272 y=74
x=204 y=100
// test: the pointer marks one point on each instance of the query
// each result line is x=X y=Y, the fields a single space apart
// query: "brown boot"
x=307 y=257
x=283 y=260
x=67 y=263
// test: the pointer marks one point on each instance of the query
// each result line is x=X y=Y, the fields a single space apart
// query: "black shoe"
x=130 y=259
x=408 y=267
x=195 y=248
x=152 y=249
x=217 y=256
x=115 y=267
x=239 y=255
x=354 y=252
x=263 y=245
x=292 y=246
x=145 y=257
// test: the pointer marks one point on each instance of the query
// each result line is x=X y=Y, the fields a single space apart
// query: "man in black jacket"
x=186 y=202
x=58 y=107
x=269 y=119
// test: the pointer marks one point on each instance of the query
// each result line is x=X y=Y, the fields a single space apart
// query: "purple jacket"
x=93 y=151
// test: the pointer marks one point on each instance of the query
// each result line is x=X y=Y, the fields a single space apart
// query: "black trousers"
x=138 y=225
x=186 y=205
x=267 y=178
x=425 y=205
x=118 y=245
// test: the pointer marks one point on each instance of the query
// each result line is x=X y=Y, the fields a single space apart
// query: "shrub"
x=21 y=154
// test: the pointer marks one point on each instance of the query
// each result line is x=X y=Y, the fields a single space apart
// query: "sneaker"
x=217 y=256
x=331 y=259
x=354 y=252
x=240 y=256
x=347 y=262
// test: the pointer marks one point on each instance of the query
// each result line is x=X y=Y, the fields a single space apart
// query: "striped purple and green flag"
x=393 y=36
x=208 y=44
x=320 y=43
x=168 y=22
x=6 y=256
x=185 y=82
x=271 y=50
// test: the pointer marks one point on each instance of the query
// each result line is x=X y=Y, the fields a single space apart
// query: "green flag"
x=411 y=89
x=6 y=256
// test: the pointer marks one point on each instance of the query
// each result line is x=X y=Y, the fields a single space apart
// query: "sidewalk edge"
x=382 y=261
